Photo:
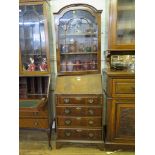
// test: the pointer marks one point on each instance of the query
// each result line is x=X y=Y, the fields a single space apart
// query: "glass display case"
x=122 y=24
x=78 y=40
x=35 y=110
x=33 y=38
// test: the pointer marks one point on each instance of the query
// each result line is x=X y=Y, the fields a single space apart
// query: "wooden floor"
x=35 y=143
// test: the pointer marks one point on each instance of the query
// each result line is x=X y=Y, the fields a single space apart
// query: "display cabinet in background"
x=121 y=25
x=119 y=92
x=33 y=38
x=78 y=31
x=35 y=110
x=119 y=76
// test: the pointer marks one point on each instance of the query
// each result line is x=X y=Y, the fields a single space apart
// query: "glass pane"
x=126 y=22
x=32 y=38
x=78 y=41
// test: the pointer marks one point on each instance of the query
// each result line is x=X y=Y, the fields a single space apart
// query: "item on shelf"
x=85 y=65
x=94 y=48
x=81 y=47
x=63 y=66
x=122 y=62
x=43 y=66
x=62 y=48
x=88 y=49
x=31 y=66
x=93 y=65
x=69 y=66
x=72 y=47
x=89 y=30
x=77 y=65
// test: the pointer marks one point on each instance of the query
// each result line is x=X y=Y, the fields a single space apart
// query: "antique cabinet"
x=34 y=65
x=121 y=25
x=79 y=110
x=78 y=46
x=120 y=112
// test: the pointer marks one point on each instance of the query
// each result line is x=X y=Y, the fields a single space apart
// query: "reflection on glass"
x=125 y=21
x=78 y=41
x=32 y=37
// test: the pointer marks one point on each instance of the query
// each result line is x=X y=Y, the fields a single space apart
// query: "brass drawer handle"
x=91 y=135
x=35 y=123
x=78 y=98
x=78 y=108
x=91 y=122
x=78 y=118
x=35 y=113
x=78 y=130
x=66 y=100
x=90 y=100
x=67 y=134
x=90 y=111
x=67 y=111
x=68 y=122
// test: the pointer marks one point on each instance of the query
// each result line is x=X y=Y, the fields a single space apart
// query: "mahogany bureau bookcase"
x=78 y=92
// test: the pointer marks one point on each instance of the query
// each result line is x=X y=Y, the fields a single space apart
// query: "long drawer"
x=33 y=123
x=78 y=111
x=79 y=134
x=79 y=121
x=34 y=114
x=123 y=88
x=79 y=100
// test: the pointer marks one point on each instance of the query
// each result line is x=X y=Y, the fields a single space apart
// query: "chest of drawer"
x=33 y=123
x=122 y=88
x=78 y=111
x=79 y=134
x=79 y=100
x=79 y=121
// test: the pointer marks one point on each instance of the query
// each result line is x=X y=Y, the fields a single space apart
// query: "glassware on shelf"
x=93 y=65
x=81 y=47
x=77 y=65
x=63 y=67
x=69 y=66
x=94 y=48
x=63 y=48
x=72 y=47
x=85 y=65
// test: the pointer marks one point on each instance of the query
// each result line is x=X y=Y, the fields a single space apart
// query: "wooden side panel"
x=121 y=120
